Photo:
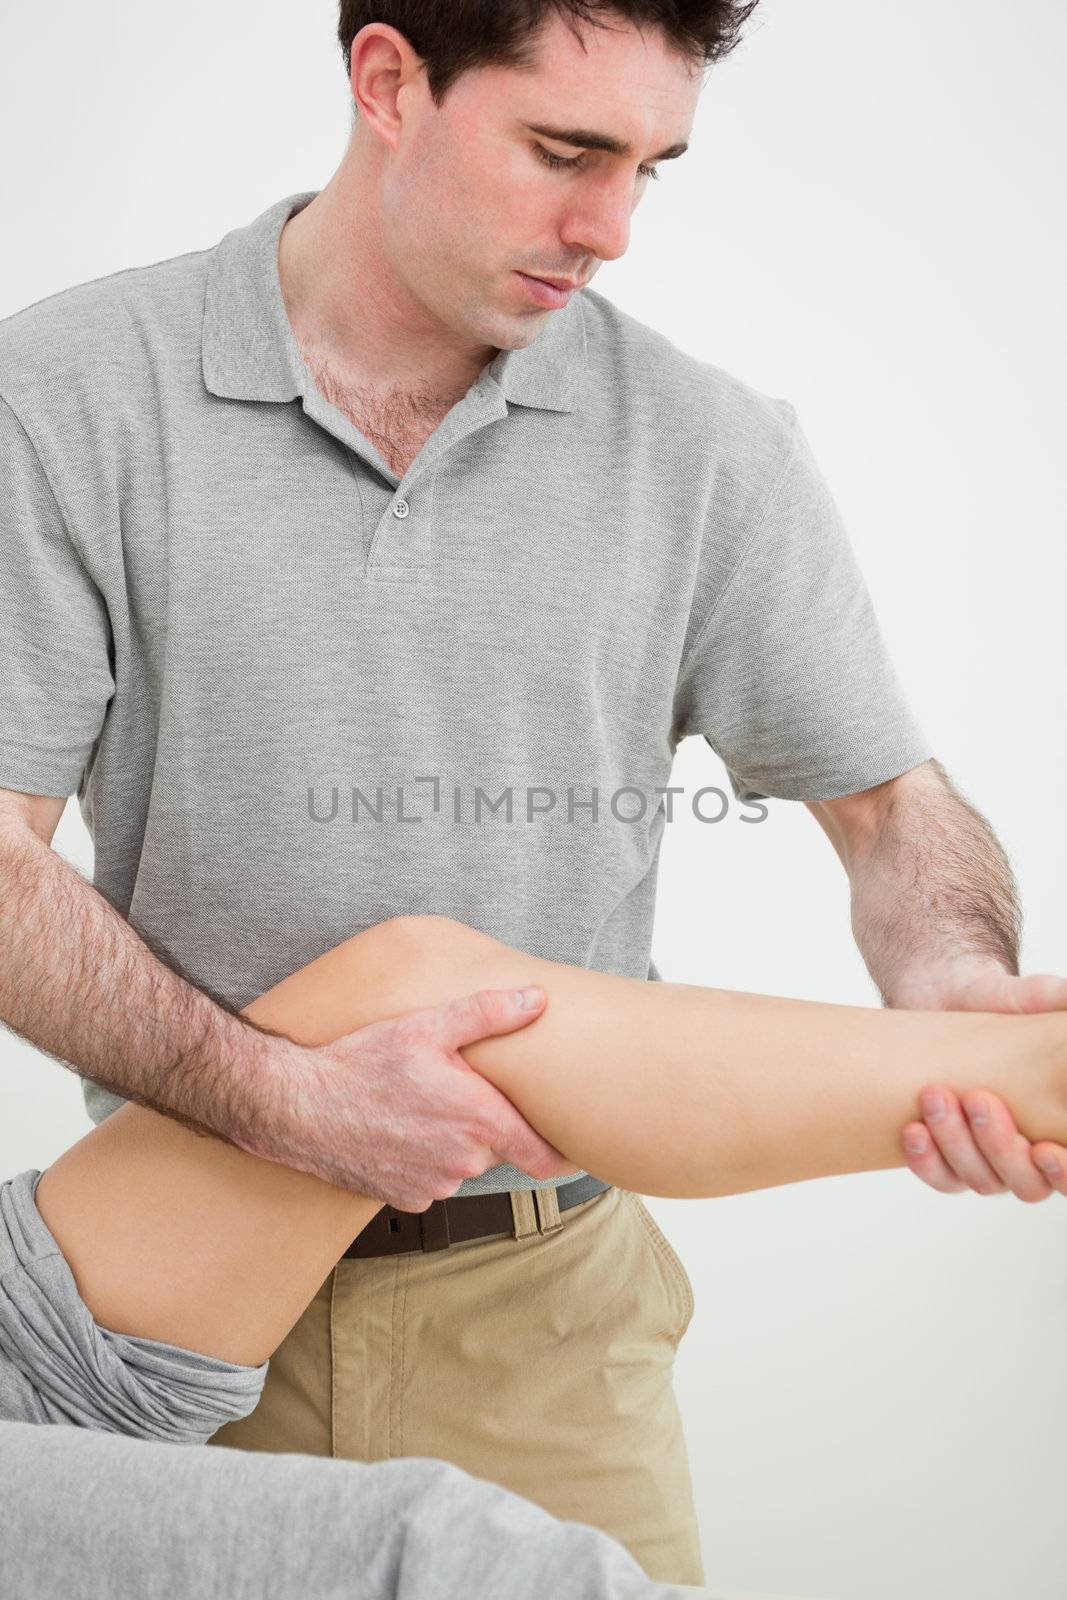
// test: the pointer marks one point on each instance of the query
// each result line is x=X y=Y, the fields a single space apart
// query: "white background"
x=870 y=222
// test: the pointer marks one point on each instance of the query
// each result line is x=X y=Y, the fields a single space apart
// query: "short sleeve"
x=55 y=639
x=789 y=678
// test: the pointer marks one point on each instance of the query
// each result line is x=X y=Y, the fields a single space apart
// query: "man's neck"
x=347 y=309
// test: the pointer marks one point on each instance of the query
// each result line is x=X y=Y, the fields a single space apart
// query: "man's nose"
x=599 y=220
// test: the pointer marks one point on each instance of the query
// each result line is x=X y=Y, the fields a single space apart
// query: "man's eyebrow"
x=589 y=139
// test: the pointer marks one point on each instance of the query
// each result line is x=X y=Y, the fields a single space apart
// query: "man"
x=318 y=534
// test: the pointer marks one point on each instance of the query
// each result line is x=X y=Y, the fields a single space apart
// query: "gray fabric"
x=126 y=1518
x=58 y=1366
x=209 y=608
x=105 y=1518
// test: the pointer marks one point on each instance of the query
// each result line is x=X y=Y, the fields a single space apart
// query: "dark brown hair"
x=455 y=36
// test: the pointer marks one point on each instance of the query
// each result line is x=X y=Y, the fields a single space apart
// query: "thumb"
x=1040 y=991
x=489 y=1011
x=1043 y=992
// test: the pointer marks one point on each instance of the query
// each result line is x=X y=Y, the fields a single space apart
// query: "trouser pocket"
x=676 y=1277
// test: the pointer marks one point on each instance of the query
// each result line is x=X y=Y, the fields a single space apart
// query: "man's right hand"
x=394 y=1111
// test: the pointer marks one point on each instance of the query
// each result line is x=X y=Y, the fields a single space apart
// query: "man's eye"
x=550 y=159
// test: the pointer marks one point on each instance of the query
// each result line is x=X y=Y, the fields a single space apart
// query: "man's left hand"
x=972 y=1142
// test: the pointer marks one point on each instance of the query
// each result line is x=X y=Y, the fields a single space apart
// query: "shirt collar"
x=249 y=352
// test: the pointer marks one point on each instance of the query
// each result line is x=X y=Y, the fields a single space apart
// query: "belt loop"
x=548 y=1210
x=523 y=1214
x=433 y=1226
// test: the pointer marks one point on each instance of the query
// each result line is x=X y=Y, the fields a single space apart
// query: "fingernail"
x=933 y=1106
x=914 y=1145
x=529 y=999
x=1049 y=1166
x=977 y=1113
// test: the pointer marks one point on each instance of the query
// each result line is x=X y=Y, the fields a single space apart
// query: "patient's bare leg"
x=661 y=1088
x=675 y=1089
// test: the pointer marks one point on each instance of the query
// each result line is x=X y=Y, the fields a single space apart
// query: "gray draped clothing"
x=96 y=1502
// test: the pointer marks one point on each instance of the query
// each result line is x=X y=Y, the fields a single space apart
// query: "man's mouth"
x=546 y=293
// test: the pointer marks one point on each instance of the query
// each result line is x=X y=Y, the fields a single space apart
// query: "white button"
x=401 y=508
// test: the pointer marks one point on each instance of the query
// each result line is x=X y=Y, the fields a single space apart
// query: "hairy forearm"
x=933 y=897
x=78 y=982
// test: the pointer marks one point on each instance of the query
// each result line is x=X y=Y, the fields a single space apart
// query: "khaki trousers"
x=541 y=1360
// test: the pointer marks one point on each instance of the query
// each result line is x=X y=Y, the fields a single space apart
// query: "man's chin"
x=515 y=330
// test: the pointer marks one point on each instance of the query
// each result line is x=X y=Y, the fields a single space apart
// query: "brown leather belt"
x=469 y=1216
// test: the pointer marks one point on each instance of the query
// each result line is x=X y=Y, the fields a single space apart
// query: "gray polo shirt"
x=296 y=695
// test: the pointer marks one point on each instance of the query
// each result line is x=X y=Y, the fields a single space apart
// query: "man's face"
x=470 y=199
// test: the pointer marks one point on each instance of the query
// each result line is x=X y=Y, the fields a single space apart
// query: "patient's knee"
x=429 y=945
x=409 y=962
